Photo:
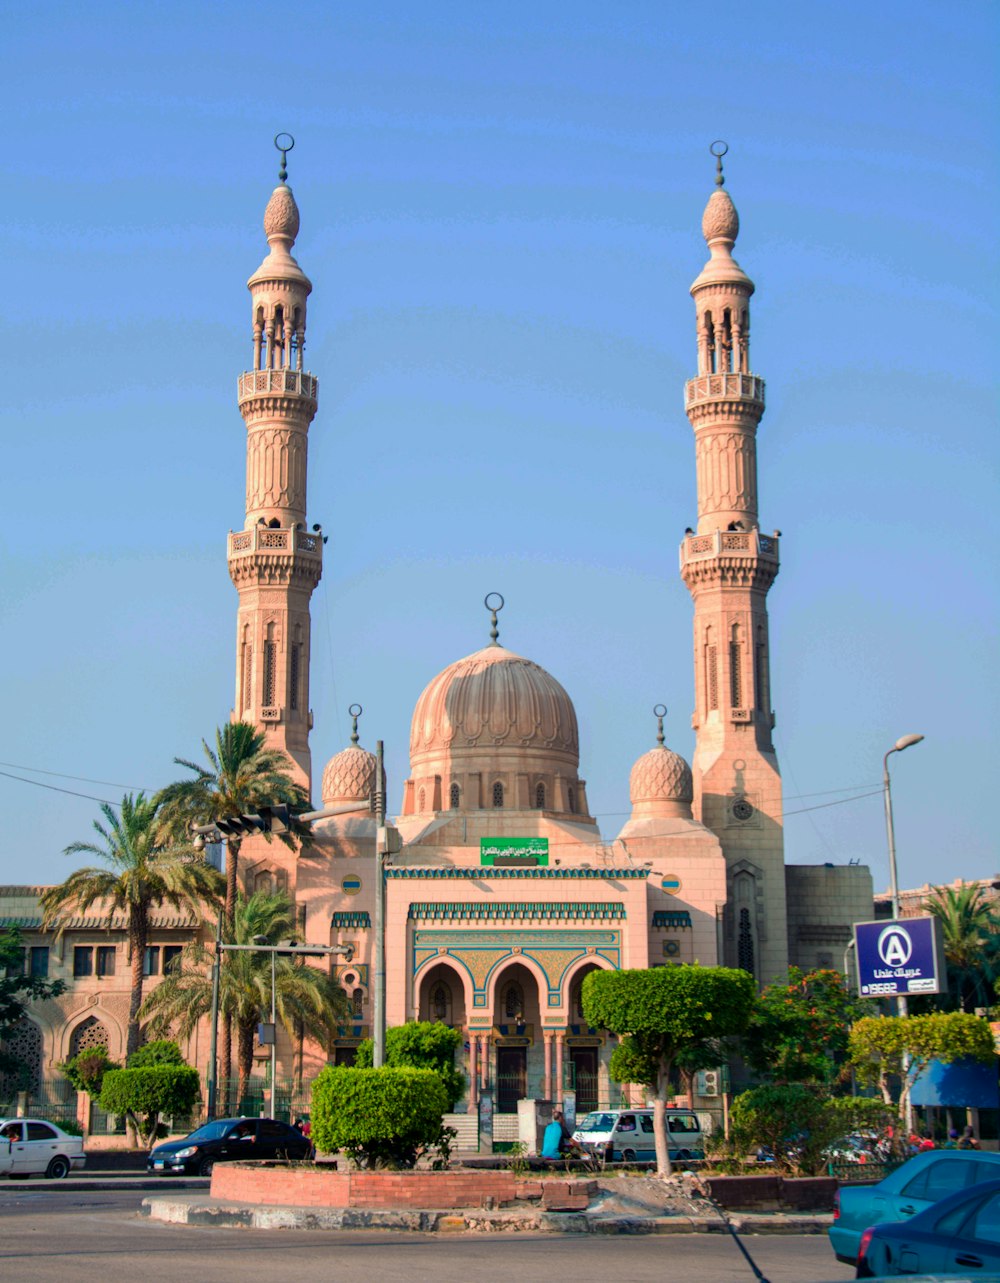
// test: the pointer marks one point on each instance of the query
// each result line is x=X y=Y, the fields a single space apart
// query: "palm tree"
x=970 y=926
x=144 y=873
x=242 y=775
x=306 y=998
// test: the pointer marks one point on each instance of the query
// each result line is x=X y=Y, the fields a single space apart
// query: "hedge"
x=143 y=1094
x=381 y=1117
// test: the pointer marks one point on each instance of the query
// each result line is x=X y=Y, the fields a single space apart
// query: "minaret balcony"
x=730 y=554
x=730 y=386
x=268 y=539
x=283 y=383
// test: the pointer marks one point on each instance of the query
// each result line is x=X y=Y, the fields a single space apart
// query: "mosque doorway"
x=584 y=1077
x=512 y=1078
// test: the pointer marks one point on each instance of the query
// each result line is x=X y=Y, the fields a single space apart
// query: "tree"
x=658 y=1014
x=241 y=776
x=387 y=1117
x=142 y=1095
x=162 y=1051
x=145 y=871
x=420 y=1044
x=16 y=990
x=970 y=926
x=883 y=1048
x=799 y=1029
x=304 y=996
x=87 y=1068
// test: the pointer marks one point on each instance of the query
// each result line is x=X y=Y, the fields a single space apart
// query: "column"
x=547 y=1082
x=560 y=1049
x=473 y=1073
x=485 y=1060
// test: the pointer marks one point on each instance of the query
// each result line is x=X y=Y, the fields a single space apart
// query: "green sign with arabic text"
x=513 y=853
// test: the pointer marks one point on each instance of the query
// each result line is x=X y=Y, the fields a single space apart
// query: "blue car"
x=961 y=1233
x=921 y=1182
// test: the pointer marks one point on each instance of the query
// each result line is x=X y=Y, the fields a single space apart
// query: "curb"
x=211 y=1212
x=69 y=1186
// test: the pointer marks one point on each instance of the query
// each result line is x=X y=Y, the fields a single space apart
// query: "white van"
x=626 y=1135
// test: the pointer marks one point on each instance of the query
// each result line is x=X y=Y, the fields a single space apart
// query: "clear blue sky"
x=500 y=214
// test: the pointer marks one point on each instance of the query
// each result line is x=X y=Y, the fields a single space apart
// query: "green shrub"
x=162 y=1052
x=380 y=1117
x=798 y=1123
x=86 y=1069
x=421 y=1044
x=143 y=1094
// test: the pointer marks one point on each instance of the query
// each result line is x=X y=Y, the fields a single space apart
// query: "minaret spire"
x=274 y=562
x=728 y=566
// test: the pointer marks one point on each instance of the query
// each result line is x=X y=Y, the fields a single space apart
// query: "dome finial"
x=355 y=711
x=494 y=631
x=718 y=150
x=659 y=712
x=284 y=143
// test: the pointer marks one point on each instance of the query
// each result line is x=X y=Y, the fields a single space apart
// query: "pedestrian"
x=552 y=1141
x=968 y=1139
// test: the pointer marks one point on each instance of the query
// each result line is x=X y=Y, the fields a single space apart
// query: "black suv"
x=225 y=1140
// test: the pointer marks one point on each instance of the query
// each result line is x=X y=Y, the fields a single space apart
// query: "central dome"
x=493 y=699
x=494 y=731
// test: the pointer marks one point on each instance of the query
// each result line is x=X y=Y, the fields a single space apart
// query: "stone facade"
x=505 y=895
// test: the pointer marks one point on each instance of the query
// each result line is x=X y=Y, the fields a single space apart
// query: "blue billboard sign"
x=900 y=957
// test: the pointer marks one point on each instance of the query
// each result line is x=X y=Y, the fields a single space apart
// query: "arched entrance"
x=442 y=996
x=517 y=1020
x=24 y=1043
x=581 y=1069
x=88 y=1034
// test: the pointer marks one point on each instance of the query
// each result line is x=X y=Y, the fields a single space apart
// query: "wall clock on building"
x=742 y=810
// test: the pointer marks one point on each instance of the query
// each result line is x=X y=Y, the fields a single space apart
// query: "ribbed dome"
x=661 y=775
x=349 y=776
x=490 y=700
x=281 y=218
x=720 y=220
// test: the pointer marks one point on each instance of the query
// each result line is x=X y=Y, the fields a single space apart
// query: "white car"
x=30 y=1146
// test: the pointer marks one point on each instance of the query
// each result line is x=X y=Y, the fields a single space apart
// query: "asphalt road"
x=48 y=1237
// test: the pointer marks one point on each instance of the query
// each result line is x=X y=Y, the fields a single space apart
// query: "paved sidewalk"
x=204 y=1210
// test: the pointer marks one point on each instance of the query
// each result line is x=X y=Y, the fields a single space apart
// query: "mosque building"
x=505 y=894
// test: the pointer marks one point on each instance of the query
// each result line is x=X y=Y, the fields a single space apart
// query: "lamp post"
x=902 y=1004
x=286 y=948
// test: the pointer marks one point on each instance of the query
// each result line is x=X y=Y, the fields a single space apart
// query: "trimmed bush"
x=143 y=1094
x=87 y=1068
x=420 y=1044
x=164 y=1051
x=380 y=1117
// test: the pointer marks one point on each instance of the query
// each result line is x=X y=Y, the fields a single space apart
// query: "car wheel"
x=58 y=1168
x=205 y=1166
x=683 y=1155
x=628 y=1155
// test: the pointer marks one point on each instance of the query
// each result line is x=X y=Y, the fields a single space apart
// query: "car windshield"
x=211 y=1131
x=597 y=1123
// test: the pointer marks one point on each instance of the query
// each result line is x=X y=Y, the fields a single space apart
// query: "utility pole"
x=213 y=1056
x=378 y=1032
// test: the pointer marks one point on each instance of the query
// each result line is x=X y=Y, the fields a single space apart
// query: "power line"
x=54 y=788
x=64 y=775
x=840 y=802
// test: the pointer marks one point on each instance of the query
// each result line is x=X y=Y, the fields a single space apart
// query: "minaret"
x=728 y=566
x=274 y=561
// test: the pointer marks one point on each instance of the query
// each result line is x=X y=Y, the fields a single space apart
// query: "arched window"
x=744 y=943
x=710 y=340
x=270 y=663
x=454 y=797
x=263 y=883
x=88 y=1034
x=498 y=794
x=23 y=1041
x=540 y=797
x=441 y=1002
x=735 y=673
x=295 y=668
x=571 y=799
x=760 y=664
x=247 y=668
x=358 y=1003
x=421 y=799
x=513 y=1001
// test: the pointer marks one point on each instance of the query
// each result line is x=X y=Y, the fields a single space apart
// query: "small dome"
x=281 y=218
x=720 y=221
x=493 y=699
x=349 y=776
x=661 y=784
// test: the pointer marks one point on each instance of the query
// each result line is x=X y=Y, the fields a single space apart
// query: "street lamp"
x=285 y=948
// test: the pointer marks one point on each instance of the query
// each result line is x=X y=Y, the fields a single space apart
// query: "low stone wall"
x=773 y=1193
x=306 y=1186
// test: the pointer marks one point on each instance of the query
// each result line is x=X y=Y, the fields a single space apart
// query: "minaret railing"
x=262 y=382
x=710 y=387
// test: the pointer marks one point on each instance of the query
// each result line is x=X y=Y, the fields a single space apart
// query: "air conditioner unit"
x=707 y=1083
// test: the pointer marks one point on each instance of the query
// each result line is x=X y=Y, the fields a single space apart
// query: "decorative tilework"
x=671 y=918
